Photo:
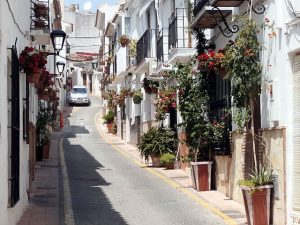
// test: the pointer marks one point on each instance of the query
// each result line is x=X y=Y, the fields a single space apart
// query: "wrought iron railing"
x=160 y=48
x=179 y=36
x=15 y=130
x=198 y=5
x=146 y=46
x=40 y=19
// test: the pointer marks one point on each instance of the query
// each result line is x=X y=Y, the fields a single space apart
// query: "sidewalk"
x=213 y=199
x=44 y=206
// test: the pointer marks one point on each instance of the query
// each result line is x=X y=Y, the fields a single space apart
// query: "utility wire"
x=14 y=19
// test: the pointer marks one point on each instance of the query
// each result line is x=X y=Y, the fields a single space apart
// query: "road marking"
x=69 y=215
x=228 y=220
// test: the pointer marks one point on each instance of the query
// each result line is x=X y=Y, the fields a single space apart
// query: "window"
x=127 y=25
x=14 y=130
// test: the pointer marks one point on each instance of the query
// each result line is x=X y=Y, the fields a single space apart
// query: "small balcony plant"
x=124 y=40
x=137 y=97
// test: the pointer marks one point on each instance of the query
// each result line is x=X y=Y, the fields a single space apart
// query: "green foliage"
x=244 y=69
x=44 y=119
x=193 y=88
x=137 y=97
x=259 y=177
x=156 y=141
x=167 y=158
x=109 y=117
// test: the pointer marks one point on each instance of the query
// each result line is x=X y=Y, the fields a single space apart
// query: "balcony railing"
x=40 y=15
x=162 y=45
x=146 y=46
x=198 y=5
x=178 y=30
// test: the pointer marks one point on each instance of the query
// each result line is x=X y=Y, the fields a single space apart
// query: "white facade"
x=13 y=27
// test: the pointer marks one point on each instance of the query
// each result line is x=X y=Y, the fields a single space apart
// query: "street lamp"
x=60 y=67
x=58 y=39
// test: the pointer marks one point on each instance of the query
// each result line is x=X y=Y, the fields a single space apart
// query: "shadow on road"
x=90 y=204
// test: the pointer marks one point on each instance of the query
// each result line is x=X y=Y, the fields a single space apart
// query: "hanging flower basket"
x=32 y=61
x=124 y=40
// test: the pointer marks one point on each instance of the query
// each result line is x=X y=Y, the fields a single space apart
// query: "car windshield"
x=79 y=90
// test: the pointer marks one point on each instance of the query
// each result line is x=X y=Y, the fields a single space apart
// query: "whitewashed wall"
x=8 y=34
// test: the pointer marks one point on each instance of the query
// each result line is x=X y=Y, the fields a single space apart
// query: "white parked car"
x=79 y=95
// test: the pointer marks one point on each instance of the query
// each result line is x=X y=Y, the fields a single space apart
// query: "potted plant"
x=41 y=10
x=43 y=122
x=137 y=97
x=155 y=142
x=244 y=69
x=193 y=105
x=257 y=195
x=150 y=87
x=124 y=40
x=108 y=120
x=168 y=160
x=32 y=63
x=165 y=100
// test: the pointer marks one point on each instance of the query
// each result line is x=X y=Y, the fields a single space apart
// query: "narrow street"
x=109 y=189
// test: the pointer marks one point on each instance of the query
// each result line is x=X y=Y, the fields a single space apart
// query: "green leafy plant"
x=109 y=117
x=137 y=97
x=156 y=141
x=262 y=176
x=244 y=69
x=167 y=158
x=193 y=88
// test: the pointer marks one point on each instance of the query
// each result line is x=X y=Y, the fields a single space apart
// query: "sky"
x=89 y=4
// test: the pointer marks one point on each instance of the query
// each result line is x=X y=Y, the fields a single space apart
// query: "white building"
x=18 y=105
x=83 y=42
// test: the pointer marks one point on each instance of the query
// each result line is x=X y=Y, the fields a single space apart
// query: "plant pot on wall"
x=46 y=150
x=257 y=204
x=155 y=160
x=201 y=175
x=109 y=127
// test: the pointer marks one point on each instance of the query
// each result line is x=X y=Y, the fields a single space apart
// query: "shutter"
x=296 y=136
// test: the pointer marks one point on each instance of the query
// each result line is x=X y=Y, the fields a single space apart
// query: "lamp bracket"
x=228 y=31
x=258 y=8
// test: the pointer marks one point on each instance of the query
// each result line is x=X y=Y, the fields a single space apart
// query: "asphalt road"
x=109 y=189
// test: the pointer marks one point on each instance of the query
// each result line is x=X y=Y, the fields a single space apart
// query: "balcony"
x=179 y=38
x=40 y=15
x=226 y=3
x=162 y=52
x=208 y=17
x=40 y=22
x=146 y=49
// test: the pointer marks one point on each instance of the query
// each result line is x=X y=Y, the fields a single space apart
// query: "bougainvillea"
x=32 y=61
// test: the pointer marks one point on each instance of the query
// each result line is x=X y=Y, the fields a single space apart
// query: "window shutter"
x=296 y=136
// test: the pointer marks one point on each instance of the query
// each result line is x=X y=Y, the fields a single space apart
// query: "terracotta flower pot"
x=109 y=127
x=201 y=175
x=46 y=151
x=155 y=160
x=257 y=204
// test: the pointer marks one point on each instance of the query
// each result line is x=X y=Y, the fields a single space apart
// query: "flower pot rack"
x=40 y=15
